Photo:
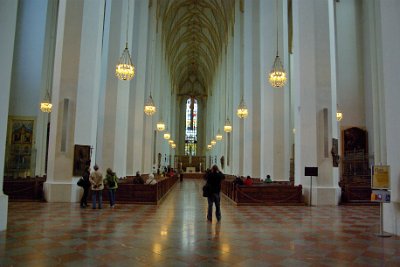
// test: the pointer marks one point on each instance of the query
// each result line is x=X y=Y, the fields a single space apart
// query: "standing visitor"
x=214 y=178
x=86 y=185
x=112 y=184
x=96 y=180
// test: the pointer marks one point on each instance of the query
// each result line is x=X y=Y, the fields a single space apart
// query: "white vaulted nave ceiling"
x=195 y=34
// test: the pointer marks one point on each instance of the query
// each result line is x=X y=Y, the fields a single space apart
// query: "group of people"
x=139 y=180
x=95 y=182
x=248 y=181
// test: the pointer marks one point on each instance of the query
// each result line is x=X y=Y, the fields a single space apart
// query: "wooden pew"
x=128 y=192
x=275 y=193
x=24 y=189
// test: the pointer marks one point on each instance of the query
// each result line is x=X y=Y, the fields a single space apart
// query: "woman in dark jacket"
x=214 y=179
x=86 y=186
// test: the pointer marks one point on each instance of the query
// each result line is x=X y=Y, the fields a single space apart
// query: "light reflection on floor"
x=176 y=233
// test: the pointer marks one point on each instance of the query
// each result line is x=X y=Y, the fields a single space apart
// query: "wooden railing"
x=275 y=193
x=128 y=192
x=24 y=189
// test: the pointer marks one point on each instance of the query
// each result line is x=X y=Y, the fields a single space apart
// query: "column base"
x=326 y=196
x=62 y=191
x=3 y=211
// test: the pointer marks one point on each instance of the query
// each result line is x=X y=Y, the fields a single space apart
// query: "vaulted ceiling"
x=195 y=34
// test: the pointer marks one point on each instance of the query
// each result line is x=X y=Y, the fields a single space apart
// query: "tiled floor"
x=176 y=233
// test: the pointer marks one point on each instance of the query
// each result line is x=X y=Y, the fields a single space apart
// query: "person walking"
x=96 y=180
x=214 y=179
x=86 y=186
x=112 y=183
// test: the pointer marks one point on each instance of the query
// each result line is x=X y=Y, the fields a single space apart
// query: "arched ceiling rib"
x=194 y=33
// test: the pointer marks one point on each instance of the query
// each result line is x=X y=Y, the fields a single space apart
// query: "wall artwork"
x=20 y=142
x=82 y=159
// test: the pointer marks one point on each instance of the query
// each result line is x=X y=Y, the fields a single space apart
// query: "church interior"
x=304 y=92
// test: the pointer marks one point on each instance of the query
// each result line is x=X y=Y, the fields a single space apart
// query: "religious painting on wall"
x=19 y=150
x=82 y=159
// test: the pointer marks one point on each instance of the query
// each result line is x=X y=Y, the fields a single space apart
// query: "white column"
x=8 y=20
x=58 y=186
x=388 y=21
x=236 y=87
x=137 y=93
x=247 y=83
x=269 y=96
x=87 y=100
x=304 y=88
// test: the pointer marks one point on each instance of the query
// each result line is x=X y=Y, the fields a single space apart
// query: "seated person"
x=138 y=178
x=171 y=172
x=238 y=181
x=248 y=181
x=268 y=179
x=151 y=179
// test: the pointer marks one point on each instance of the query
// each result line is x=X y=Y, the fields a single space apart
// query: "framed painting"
x=20 y=142
x=82 y=159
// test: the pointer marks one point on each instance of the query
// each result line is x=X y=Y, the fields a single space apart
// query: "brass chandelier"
x=125 y=70
x=277 y=76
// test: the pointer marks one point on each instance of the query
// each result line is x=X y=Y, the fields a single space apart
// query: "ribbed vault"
x=195 y=33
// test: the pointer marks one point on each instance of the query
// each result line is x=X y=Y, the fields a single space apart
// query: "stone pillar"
x=8 y=21
x=59 y=186
x=304 y=89
x=248 y=125
x=315 y=98
x=387 y=41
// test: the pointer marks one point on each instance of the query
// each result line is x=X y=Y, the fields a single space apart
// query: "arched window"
x=191 y=127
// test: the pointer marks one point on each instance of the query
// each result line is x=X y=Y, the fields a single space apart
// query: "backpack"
x=111 y=181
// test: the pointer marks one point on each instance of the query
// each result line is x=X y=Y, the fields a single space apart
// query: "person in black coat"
x=86 y=185
x=214 y=179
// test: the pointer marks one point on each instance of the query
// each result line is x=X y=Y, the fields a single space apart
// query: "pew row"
x=263 y=194
x=24 y=189
x=128 y=192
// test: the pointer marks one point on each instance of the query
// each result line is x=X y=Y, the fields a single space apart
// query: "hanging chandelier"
x=125 y=70
x=228 y=126
x=149 y=107
x=277 y=76
x=242 y=111
x=213 y=142
x=218 y=136
x=209 y=147
x=339 y=115
x=160 y=126
x=45 y=105
x=170 y=142
x=167 y=135
x=173 y=145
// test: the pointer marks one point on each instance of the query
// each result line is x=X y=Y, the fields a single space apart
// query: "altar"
x=190 y=169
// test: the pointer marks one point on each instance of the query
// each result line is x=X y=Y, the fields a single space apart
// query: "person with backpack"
x=214 y=179
x=111 y=181
x=85 y=186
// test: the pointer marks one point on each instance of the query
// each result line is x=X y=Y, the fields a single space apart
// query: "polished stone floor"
x=176 y=233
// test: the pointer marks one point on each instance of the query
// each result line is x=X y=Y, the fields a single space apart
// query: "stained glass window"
x=191 y=127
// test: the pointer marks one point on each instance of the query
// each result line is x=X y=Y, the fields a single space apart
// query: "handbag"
x=206 y=190
x=81 y=182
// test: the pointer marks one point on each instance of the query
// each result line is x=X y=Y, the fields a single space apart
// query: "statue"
x=222 y=160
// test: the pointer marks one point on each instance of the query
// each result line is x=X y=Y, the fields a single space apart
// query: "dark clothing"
x=86 y=187
x=238 y=181
x=138 y=180
x=214 y=181
x=214 y=198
